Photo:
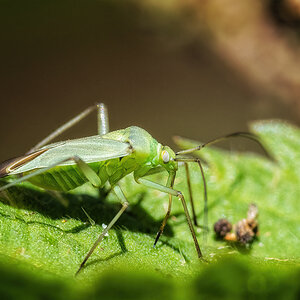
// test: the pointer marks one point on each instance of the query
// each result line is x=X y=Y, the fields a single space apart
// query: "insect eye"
x=165 y=156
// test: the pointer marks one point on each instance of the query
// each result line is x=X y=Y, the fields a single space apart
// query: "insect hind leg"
x=102 y=122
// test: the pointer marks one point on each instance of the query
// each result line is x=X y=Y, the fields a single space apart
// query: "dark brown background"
x=58 y=57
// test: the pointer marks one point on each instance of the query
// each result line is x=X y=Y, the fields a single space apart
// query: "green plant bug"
x=105 y=159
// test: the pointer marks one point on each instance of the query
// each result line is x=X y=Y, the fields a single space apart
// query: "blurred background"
x=199 y=69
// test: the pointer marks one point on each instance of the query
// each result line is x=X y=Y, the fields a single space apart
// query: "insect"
x=105 y=159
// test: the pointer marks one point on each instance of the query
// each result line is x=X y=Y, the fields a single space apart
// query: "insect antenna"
x=247 y=135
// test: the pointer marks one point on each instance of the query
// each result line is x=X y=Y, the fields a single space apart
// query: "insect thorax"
x=144 y=146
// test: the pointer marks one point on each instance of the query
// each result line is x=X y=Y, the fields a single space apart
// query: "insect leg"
x=8 y=198
x=103 y=122
x=197 y=160
x=170 y=184
x=119 y=193
x=188 y=179
x=58 y=196
x=89 y=173
x=164 y=222
x=68 y=125
x=178 y=194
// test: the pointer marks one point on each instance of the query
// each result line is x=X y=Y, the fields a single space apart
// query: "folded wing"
x=89 y=149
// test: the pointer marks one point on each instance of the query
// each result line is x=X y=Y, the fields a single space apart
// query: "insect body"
x=107 y=157
x=104 y=158
x=97 y=159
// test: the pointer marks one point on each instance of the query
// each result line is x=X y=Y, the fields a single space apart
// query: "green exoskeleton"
x=105 y=158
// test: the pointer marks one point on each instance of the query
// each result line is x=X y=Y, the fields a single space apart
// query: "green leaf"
x=43 y=241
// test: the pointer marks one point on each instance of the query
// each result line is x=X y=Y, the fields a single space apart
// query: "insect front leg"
x=170 y=191
x=164 y=222
x=185 y=160
x=170 y=184
x=188 y=179
x=102 y=123
x=119 y=193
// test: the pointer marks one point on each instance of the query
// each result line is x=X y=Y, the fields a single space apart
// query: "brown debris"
x=244 y=232
x=222 y=227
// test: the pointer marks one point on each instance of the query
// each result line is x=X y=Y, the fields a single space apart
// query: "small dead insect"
x=222 y=227
x=244 y=232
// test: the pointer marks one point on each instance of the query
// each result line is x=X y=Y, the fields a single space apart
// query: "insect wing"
x=89 y=149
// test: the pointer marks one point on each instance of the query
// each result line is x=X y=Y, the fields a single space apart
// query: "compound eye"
x=165 y=156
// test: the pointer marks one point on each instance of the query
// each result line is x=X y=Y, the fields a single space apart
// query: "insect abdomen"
x=63 y=178
x=66 y=178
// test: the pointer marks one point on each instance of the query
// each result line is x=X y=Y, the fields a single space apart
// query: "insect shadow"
x=241 y=248
x=84 y=206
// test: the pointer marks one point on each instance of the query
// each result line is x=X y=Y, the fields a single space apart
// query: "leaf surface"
x=40 y=235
